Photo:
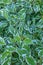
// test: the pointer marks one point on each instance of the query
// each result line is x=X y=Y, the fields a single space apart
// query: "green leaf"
x=5 y=14
x=27 y=41
x=7 y=1
x=21 y=32
x=1 y=1
x=11 y=29
x=40 y=23
x=2 y=42
x=41 y=53
x=22 y=14
x=6 y=54
x=17 y=38
x=3 y=25
x=36 y=8
x=27 y=48
x=11 y=48
x=22 y=52
x=7 y=61
x=30 y=61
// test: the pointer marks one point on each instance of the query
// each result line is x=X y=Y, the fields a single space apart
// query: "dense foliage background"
x=21 y=32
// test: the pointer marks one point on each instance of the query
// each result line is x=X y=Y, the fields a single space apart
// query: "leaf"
x=17 y=38
x=22 y=14
x=41 y=53
x=11 y=48
x=2 y=42
x=4 y=56
x=27 y=41
x=5 y=14
x=1 y=1
x=30 y=61
x=3 y=25
x=7 y=61
x=27 y=48
x=7 y=1
x=11 y=29
x=36 y=8
x=22 y=52
x=40 y=23
x=21 y=32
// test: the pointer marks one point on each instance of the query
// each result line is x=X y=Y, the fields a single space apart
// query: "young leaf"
x=30 y=61
x=2 y=42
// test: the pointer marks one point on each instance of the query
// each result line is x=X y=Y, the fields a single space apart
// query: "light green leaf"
x=22 y=14
x=5 y=55
x=7 y=1
x=11 y=48
x=2 y=42
x=17 y=38
x=30 y=61
x=22 y=52
x=36 y=8
x=5 y=13
x=3 y=25
x=7 y=61
x=40 y=23
x=27 y=41
x=41 y=53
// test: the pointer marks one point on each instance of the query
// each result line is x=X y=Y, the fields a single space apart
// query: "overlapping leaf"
x=21 y=32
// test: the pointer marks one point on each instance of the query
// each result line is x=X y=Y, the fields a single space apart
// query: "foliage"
x=21 y=32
